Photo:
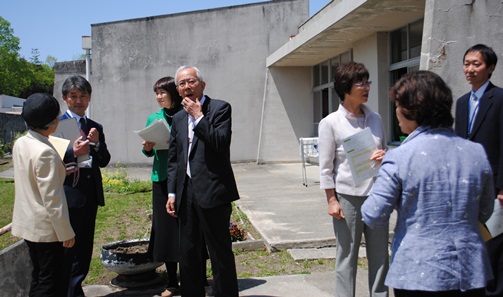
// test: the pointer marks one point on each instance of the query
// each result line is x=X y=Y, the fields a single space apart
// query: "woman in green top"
x=164 y=244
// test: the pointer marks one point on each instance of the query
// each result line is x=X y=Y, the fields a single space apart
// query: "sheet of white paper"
x=68 y=129
x=158 y=132
x=60 y=144
x=358 y=148
x=495 y=222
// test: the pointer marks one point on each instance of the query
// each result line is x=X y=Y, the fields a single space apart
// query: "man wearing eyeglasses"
x=201 y=186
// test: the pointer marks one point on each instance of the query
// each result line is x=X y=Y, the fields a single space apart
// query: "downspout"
x=262 y=116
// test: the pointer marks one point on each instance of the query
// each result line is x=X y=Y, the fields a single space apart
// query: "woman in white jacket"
x=344 y=195
x=40 y=214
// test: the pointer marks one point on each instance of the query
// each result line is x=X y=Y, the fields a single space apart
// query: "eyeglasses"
x=363 y=84
x=190 y=82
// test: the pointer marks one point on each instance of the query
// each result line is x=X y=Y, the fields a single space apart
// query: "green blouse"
x=160 y=165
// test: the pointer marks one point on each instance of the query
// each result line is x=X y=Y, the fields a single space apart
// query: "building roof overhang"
x=335 y=28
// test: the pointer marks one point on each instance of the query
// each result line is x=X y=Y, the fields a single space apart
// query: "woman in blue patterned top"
x=441 y=186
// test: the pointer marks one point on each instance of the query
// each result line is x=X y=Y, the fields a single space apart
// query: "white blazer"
x=40 y=208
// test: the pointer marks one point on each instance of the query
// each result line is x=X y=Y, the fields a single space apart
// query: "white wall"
x=229 y=45
x=288 y=114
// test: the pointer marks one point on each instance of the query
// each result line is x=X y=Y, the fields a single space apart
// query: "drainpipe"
x=262 y=115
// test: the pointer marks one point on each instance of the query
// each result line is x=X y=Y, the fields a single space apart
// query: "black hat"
x=39 y=110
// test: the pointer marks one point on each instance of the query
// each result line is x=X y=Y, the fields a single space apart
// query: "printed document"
x=158 y=131
x=68 y=129
x=60 y=144
x=358 y=148
x=495 y=222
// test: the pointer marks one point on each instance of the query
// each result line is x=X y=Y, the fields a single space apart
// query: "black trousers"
x=197 y=227
x=47 y=276
x=83 y=220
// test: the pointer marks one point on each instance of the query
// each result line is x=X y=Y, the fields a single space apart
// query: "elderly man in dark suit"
x=201 y=185
x=84 y=191
x=479 y=113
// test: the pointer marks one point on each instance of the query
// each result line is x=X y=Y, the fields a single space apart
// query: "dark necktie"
x=83 y=126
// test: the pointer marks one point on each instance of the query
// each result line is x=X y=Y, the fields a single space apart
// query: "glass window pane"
x=324 y=103
x=316 y=75
x=399 y=45
x=324 y=73
x=335 y=100
x=397 y=134
x=415 y=39
x=317 y=107
x=334 y=63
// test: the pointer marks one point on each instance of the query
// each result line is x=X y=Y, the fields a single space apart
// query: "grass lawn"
x=125 y=216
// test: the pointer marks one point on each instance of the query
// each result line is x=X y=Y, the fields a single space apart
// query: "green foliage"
x=18 y=77
x=50 y=61
x=117 y=181
x=6 y=148
x=8 y=41
x=7 y=205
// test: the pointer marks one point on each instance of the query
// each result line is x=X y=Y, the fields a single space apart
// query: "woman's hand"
x=69 y=243
x=148 y=145
x=334 y=207
x=378 y=155
x=335 y=210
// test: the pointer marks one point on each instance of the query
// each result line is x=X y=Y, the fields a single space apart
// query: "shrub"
x=118 y=182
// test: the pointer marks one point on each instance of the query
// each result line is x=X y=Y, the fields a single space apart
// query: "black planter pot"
x=134 y=270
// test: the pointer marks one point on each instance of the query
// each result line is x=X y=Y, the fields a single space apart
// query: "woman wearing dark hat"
x=40 y=214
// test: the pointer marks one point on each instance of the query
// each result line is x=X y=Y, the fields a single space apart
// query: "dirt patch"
x=131 y=250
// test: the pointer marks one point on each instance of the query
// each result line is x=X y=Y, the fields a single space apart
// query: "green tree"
x=18 y=77
x=51 y=61
x=35 y=56
x=8 y=41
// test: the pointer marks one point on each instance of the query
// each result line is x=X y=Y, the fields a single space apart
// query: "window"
x=405 y=51
x=325 y=99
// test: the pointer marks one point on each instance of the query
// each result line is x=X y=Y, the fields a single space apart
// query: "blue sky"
x=56 y=27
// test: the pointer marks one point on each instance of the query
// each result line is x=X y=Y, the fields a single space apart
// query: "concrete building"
x=274 y=63
x=11 y=122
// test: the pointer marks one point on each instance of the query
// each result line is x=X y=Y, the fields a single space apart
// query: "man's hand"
x=81 y=147
x=94 y=135
x=193 y=108
x=170 y=206
x=500 y=197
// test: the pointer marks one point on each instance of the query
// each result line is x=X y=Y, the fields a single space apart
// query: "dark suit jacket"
x=101 y=157
x=487 y=128
x=211 y=172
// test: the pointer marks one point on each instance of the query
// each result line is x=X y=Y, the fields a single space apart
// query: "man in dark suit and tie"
x=201 y=186
x=84 y=191
x=479 y=113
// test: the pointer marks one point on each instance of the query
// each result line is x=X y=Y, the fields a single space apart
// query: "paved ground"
x=289 y=216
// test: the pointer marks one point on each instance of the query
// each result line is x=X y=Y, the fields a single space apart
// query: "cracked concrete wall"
x=450 y=28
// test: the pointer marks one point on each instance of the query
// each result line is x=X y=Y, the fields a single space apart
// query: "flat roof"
x=335 y=28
